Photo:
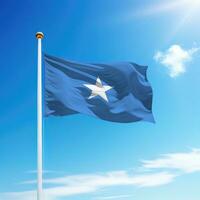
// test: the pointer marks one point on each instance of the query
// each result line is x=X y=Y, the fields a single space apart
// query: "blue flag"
x=118 y=92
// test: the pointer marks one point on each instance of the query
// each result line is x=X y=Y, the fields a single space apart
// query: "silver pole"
x=39 y=36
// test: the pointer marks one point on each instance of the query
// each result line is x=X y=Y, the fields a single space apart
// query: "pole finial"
x=39 y=35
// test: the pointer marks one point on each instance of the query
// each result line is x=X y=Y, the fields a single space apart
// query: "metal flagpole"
x=39 y=36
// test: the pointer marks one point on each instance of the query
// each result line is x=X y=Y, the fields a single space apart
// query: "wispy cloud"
x=89 y=183
x=175 y=59
x=44 y=171
x=185 y=162
x=27 y=195
x=156 y=172
x=112 y=197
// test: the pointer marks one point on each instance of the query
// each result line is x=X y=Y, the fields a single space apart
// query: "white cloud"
x=154 y=173
x=114 y=178
x=175 y=59
x=185 y=162
x=112 y=197
x=44 y=171
x=28 y=195
x=89 y=183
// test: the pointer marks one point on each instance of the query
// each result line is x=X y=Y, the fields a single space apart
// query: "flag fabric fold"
x=118 y=92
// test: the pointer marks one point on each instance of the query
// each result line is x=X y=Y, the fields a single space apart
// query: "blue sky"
x=87 y=158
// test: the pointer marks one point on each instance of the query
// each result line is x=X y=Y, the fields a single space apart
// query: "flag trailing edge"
x=117 y=92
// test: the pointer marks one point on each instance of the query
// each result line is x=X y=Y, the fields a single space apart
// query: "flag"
x=118 y=92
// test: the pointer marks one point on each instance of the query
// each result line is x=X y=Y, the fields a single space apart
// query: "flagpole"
x=39 y=36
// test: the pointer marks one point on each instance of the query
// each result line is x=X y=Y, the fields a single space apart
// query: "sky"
x=85 y=157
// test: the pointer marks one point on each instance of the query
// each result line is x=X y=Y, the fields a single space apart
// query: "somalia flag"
x=118 y=92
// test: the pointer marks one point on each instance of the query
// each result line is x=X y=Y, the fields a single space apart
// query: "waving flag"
x=118 y=92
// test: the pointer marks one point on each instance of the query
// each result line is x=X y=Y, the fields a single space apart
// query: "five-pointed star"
x=98 y=89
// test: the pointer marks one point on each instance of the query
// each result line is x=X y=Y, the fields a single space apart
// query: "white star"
x=98 y=89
